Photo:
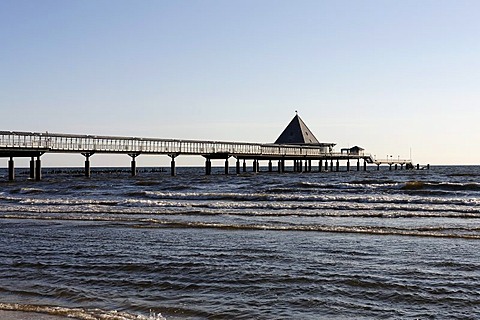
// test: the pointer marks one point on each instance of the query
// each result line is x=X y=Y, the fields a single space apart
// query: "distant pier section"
x=296 y=144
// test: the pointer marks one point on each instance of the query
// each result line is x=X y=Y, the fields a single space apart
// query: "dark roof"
x=356 y=148
x=297 y=132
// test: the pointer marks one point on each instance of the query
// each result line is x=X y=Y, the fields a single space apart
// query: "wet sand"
x=20 y=315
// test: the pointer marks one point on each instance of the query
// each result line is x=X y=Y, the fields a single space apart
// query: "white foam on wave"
x=79 y=313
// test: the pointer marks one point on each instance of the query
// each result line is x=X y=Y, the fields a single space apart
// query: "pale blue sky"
x=387 y=75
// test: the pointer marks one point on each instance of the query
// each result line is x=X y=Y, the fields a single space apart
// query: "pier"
x=296 y=144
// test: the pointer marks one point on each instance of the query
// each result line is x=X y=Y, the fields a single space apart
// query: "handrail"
x=56 y=142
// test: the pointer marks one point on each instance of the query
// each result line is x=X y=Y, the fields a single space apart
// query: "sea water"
x=321 y=245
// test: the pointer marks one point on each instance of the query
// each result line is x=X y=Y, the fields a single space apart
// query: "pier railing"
x=69 y=143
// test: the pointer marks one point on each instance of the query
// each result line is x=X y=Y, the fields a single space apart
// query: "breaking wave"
x=77 y=313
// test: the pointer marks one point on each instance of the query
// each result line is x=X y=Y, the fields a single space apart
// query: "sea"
x=399 y=244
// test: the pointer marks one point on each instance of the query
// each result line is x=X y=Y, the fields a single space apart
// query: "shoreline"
x=26 y=315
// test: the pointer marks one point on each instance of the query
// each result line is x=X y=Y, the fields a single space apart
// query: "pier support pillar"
x=309 y=165
x=173 y=169
x=396 y=166
x=238 y=166
x=279 y=166
x=320 y=165
x=87 y=156
x=418 y=166
x=32 y=168
x=358 y=165
x=38 y=169
x=364 y=165
x=390 y=167
x=378 y=167
x=208 y=167
x=11 y=169
x=226 y=166
x=87 y=167
x=300 y=165
x=244 y=165
x=338 y=166
x=331 y=165
x=348 y=165
x=282 y=166
x=255 y=166
x=326 y=165
x=270 y=166
x=133 y=164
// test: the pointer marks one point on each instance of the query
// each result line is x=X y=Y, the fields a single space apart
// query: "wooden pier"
x=296 y=144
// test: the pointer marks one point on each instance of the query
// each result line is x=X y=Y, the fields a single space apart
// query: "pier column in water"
x=38 y=169
x=358 y=164
x=238 y=166
x=87 y=156
x=254 y=166
x=331 y=165
x=226 y=166
x=270 y=167
x=326 y=165
x=173 y=169
x=244 y=165
x=208 y=167
x=348 y=164
x=279 y=166
x=32 y=168
x=11 y=169
x=338 y=166
x=364 y=165
x=133 y=165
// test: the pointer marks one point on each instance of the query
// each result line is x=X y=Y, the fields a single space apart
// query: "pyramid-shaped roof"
x=297 y=132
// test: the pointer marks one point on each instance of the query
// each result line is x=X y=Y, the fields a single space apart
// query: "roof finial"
x=296 y=112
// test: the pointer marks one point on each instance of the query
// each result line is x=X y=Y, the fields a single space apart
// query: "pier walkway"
x=296 y=143
x=35 y=144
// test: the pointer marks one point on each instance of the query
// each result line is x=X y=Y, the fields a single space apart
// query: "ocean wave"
x=445 y=186
x=309 y=209
x=78 y=313
x=27 y=191
x=375 y=230
x=421 y=231
x=286 y=198
x=72 y=202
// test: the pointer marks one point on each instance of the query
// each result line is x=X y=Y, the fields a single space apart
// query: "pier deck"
x=34 y=145
x=26 y=144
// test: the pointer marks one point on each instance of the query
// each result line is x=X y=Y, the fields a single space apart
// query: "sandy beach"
x=19 y=315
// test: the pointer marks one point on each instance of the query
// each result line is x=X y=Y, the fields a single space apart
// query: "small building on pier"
x=354 y=151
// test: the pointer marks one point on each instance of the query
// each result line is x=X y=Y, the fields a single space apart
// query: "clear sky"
x=389 y=76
